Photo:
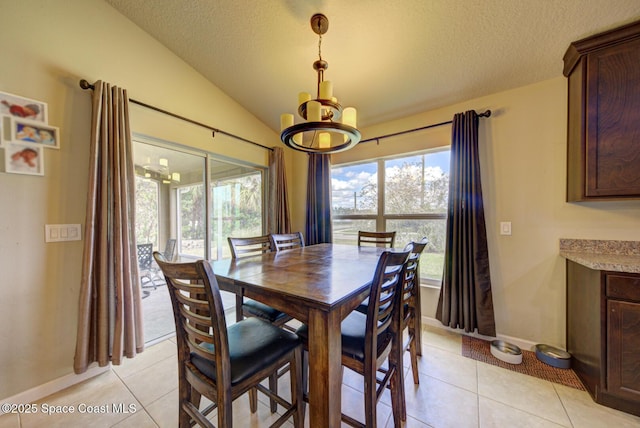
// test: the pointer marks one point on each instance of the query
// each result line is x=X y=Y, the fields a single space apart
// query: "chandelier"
x=327 y=127
x=159 y=171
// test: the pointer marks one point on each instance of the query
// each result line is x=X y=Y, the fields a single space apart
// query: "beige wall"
x=523 y=155
x=51 y=45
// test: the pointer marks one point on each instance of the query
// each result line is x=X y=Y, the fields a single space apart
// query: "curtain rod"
x=84 y=84
x=484 y=114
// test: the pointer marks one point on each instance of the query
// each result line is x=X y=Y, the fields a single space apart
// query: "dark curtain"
x=318 y=227
x=279 y=220
x=465 y=296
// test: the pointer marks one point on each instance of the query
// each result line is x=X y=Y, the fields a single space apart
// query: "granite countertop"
x=616 y=256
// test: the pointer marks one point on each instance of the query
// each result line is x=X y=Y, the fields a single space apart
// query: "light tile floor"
x=454 y=391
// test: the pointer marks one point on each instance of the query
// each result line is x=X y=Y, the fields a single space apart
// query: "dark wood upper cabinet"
x=603 y=134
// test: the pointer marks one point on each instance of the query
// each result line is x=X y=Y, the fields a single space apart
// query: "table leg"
x=325 y=369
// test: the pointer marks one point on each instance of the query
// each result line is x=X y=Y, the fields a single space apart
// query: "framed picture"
x=26 y=108
x=4 y=126
x=23 y=158
x=29 y=131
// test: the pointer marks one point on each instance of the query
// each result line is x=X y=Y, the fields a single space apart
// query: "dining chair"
x=245 y=247
x=369 y=340
x=379 y=239
x=222 y=363
x=286 y=241
x=411 y=314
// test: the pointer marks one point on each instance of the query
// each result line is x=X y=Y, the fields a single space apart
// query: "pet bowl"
x=505 y=351
x=555 y=357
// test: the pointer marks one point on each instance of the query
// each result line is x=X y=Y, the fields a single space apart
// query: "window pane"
x=236 y=205
x=146 y=211
x=346 y=231
x=417 y=184
x=191 y=215
x=432 y=260
x=354 y=189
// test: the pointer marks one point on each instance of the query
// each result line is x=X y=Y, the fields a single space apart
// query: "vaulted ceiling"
x=388 y=59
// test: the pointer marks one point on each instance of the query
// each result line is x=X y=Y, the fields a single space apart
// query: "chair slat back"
x=198 y=312
x=244 y=247
x=379 y=239
x=412 y=277
x=144 y=256
x=384 y=298
x=286 y=241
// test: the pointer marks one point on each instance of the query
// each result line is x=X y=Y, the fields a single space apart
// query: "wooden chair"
x=379 y=239
x=411 y=313
x=370 y=340
x=245 y=247
x=286 y=241
x=223 y=363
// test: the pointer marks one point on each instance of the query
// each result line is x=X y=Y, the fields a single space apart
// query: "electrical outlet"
x=505 y=228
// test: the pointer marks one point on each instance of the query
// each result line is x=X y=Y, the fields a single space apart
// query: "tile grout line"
x=124 y=383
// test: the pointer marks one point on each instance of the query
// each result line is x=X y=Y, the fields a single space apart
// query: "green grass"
x=431 y=265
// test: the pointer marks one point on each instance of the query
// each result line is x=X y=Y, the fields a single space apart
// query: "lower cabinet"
x=603 y=334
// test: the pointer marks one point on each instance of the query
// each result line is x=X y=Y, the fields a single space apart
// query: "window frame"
x=381 y=217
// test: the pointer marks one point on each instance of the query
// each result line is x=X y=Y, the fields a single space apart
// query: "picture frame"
x=23 y=158
x=29 y=131
x=4 y=126
x=24 y=108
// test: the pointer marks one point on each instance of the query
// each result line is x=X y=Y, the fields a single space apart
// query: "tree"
x=146 y=211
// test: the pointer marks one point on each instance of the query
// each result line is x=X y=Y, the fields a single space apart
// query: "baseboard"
x=51 y=387
x=527 y=345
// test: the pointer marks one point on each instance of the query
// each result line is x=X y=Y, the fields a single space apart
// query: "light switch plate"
x=62 y=232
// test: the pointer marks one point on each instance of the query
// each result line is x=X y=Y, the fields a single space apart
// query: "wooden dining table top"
x=322 y=276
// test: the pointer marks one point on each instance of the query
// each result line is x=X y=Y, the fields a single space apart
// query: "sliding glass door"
x=178 y=209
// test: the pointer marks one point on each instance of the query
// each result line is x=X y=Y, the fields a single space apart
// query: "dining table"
x=318 y=285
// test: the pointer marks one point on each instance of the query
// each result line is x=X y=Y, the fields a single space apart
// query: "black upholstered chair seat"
x=253 y=345
x=262 y=311
x=353 y=329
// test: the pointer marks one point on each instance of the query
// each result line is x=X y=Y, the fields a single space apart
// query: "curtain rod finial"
x=85 y=85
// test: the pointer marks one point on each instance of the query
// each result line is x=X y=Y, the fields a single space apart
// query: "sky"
x=349 y=179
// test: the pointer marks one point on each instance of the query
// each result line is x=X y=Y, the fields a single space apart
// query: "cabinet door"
x=613 y=121
x=623 y=352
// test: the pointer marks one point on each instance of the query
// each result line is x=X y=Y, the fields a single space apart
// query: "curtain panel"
x=279 y=219
x=318 y=224
x=465 y=296
x=110 y=318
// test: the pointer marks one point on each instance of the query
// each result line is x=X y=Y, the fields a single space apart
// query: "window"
x=237 y=201
x=407 y=194
x=147 y=192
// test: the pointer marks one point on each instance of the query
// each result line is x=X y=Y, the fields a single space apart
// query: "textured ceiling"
x=388 y=59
